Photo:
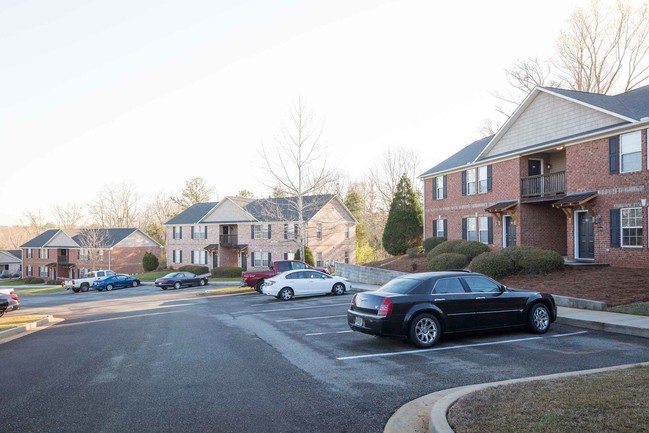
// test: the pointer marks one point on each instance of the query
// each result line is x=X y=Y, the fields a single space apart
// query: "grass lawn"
x=11 y=282
x=152 y=276
x=40 y=290
x=8 y=321
x=638 y=308
x=603 y=402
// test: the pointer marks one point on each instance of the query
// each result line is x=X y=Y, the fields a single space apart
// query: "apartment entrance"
x=584 y=236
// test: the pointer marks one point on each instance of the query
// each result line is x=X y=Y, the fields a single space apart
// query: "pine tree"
x=404 y=228
x=308 y=256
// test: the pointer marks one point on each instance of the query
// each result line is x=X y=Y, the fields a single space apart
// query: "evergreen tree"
x=354 y=203
x=404 y=228
x=308 y=256
x=149 y=262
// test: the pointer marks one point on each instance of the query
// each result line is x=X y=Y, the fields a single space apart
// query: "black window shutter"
x=434 y=188
x=252 y=259
x=285 y=256
x=614 y=155
x=270 y=259
x=490 y=228
x=464 y=183
x=434 y=227
x=205 y=255
x=181 y=256
x=444 y=188
x=285 y=231
x=269 y=226
x=295 y=234
x=615 y=228
x=181 y=232
x=252 y=231
x=445 y=228
x=464 y=228
x=489 y=179
x=206 y=233
x=193 y=232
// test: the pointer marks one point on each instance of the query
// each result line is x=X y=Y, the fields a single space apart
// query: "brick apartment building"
x=59 y=254
x=252 y=233
x=567 y=172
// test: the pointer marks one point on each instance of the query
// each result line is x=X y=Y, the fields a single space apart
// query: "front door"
x=509 y=231
x=535 y=168
x=215 y=259
x=585 y=236
x=244 y=260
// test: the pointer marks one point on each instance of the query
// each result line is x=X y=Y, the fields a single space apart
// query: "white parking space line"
x=273 y=301
x=274 y=310
x=465 y=346
x=309 y=318
x=328 y=333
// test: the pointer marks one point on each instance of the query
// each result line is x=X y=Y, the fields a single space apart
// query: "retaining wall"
x=365 y=274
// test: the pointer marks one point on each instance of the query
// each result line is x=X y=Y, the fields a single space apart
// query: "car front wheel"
x=539 y=319
x=202 y=282
x=109 y=287
x=338 y=289
x=286 y=294
x=177 y=285
x=134 y=284
x=424 y=331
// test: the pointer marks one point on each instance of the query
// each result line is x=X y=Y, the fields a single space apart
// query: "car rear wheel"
x=76 y=289
x=177 y=285
x=286 y=294
x=424 y=331
x=134 y=284
x=259 y=285
x=338 y=289
x=109 y=287
x=164 y=287
x=539 y=319
x=84 y=287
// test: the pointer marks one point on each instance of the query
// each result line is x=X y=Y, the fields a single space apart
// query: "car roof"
x=427 y=275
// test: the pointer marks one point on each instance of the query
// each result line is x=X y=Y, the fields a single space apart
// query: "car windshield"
x=400 y=285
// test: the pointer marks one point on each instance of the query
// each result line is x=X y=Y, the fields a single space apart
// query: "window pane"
x=631 y=162
x=482 y=284
x=448 y=285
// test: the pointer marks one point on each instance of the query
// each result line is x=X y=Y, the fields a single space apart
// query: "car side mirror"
x=503 y=288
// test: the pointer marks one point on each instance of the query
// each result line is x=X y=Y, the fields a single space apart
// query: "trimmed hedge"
x=198 y=270
x=517 y=260
x=34 y=280
x=470 y=249
x=227 y=272
x=540 y=261
x=495 y=265
x=446 y=261
x=432 y=242
x=54 y=282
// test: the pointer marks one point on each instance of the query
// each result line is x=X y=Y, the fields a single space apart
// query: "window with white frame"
x=30 y=270
x=631 y=219
x=43 y=271
x=630 y=152
x=440 y=229
x=177 y=256
x=261 y=259
x=482 y=179
x=28 y=253
x=177 y=232
x=100 y=254
x=290 y=230
x=84 y=254
x=483 y=225
x=471 y=229
x=346 y=231
x=470 y=182
x=318 y=261
x=199 y=257
x=346 y=257
x=261 y=231
x=318 y=231
x=43 y=253
x=199 y=232
x=439 y=187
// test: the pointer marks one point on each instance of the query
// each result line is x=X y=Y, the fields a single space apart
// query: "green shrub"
x=34 y=280
x=470 y=249
x=15 y=276
x=308 y=256
x=446 y=261
x=538 y=261
x=432 y=242
x=149 y=262
x=5 y=275
x=194 y=269
x=227 y=272
x=494 y=264
x=412 y=251
x=54 y=282
x=515 y=254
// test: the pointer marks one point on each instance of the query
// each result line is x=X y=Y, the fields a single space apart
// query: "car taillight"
x=14 y=297
x=246 y=276
x=385 y=308
x=353 y=302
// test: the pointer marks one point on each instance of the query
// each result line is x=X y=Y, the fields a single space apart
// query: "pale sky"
x=154 y=92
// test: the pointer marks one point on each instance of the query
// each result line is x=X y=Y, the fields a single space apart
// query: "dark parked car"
x=180 y=279
x=424 y=306
x=118 y=281
x=4 y=305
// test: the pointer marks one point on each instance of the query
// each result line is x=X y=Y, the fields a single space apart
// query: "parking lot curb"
x=32 y=326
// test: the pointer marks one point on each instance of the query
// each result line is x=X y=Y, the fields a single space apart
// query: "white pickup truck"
x=84 y=284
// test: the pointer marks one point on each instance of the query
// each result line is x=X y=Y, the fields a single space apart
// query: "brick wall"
x=543 y=227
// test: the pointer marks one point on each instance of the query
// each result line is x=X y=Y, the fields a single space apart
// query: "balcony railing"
x=228 y=240
x=544 y=185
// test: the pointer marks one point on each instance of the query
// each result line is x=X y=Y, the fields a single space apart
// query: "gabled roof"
x=285 y=208
x=193 y=214
x=41 y=240
x=467 y=155
x=632 y=104
x=112 y=236
x=7 y=256
x=16 y=253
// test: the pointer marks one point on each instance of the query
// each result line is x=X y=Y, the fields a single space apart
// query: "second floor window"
x=630 y=152
x=28 y=253
x=476 y=180
x=631 y=219
x=84 y=254
x=177 y=232
x=470 y=182
x=482 y=179
x=199 y=232
x=318 y=231
x=346 y=231
x=261 y=231
x=439 y=187
x=43 y=253
x=290 y=230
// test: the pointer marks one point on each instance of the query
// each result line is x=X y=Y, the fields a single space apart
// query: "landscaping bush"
x=446 y=261
x=5 y=275
x=34 y=280
x=149 y=262
x=308 y=256
x=494 y=264
x=54 y=282
x=470 y=249
x=412 y=251
x=194 y=269
x=538 y=261
x=15 y=276
x=227 y=272
x=432 y=242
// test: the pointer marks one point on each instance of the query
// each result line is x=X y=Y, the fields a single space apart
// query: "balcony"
x=229 y=240
x=543 y=187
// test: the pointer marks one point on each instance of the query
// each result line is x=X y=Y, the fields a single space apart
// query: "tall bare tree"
x=67 y=216
x=603 y=49
x=196 y=190
x=115 y=206
x=160 y=210
x=297 y=164
x=93 y=241
x=387 y=172
x=34 y=221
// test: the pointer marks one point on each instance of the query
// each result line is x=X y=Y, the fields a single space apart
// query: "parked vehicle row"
x=118 y=281
x=305 y=282
x=180 y=279
x=86 y=283
x=257 y=279
x=8 y=301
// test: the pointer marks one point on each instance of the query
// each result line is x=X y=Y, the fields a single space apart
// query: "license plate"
x=358 y=321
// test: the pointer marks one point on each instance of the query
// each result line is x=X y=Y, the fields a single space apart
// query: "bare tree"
x=297 y=163
x=195 y=191
x=387 y=173
x=34 y=222
x=93 y=241
x=116 y=206
x=604 y=49
x=11 y=238
x=156 y=214
x=68 y=216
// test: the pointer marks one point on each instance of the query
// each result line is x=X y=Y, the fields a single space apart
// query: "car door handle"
x=480 y=297
x=439 y=299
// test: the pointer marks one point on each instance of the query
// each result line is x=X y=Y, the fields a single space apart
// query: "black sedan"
x=4 y=305
x=180 y=279
x=424 y=306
